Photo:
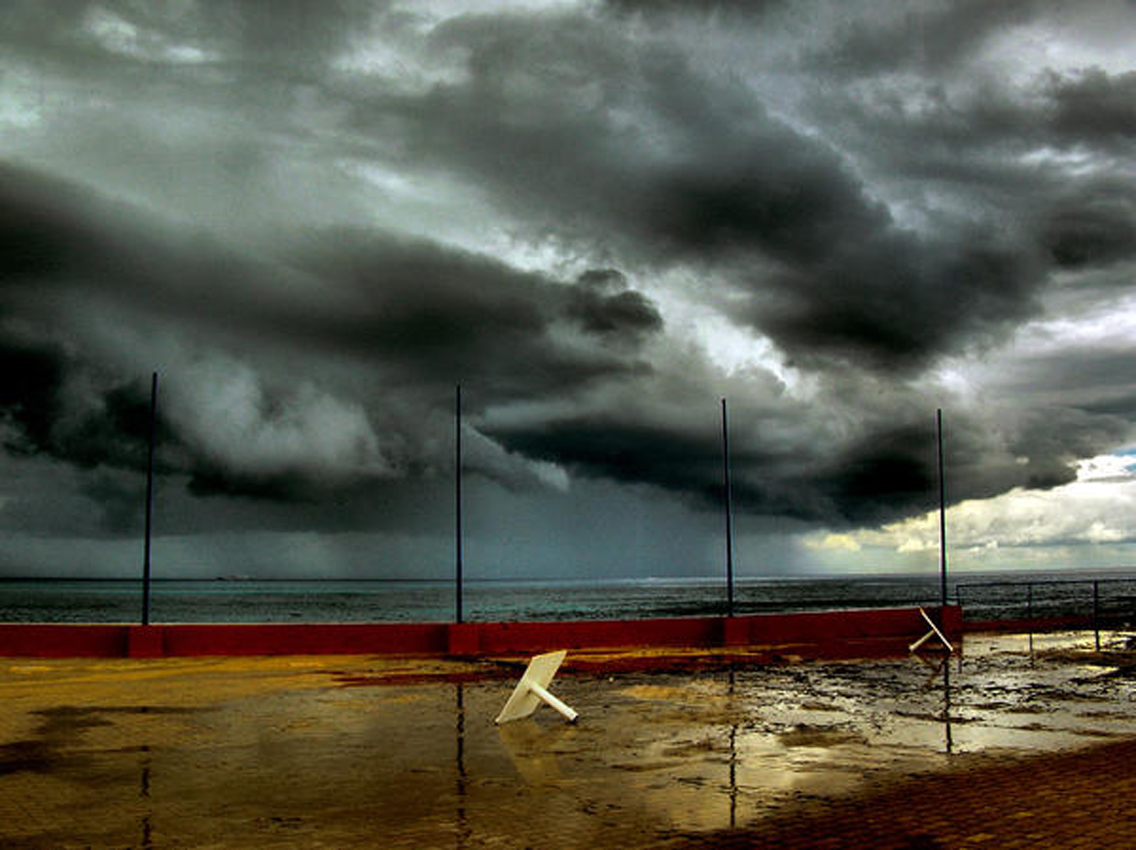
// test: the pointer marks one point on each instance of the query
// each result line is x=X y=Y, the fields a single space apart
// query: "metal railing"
x=1099 y=603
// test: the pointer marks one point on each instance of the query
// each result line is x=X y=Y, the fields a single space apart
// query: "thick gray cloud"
x=629 y=149
x=1091 y=225
x=419 y=316
x=315 y=219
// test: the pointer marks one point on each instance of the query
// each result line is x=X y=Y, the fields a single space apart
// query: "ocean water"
x=255 y=601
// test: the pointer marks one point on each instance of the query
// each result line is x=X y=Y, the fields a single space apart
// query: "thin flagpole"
x=942 y=513
x=729 y=513
x=458 y=504
x=149 y=501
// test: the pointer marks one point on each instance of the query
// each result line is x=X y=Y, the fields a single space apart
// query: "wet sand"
x=392 y=752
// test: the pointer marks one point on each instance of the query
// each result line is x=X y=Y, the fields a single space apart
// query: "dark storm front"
x=99 y=601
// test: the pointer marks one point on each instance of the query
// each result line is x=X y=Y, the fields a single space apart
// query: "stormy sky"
x=315 y=219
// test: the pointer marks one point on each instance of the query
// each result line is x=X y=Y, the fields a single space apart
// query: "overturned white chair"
x=532 y=690
x=933 y=633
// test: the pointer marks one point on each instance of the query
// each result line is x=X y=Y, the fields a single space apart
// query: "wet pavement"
x=395 y=752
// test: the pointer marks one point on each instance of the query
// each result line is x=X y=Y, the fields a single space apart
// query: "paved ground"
x=1003 y=748
x=1080 y=799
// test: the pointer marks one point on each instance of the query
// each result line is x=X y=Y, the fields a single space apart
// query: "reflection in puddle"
x=462 y=820
x=144 y=794
x=822 y=729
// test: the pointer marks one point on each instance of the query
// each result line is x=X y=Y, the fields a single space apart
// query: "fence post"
x=1096 y=612
x=942 y=512
x=1029 y=613
x=729 y=511
x=149 y=499
x=458 y=564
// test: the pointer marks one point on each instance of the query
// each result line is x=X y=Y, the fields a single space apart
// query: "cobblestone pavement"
x=1080 y=799
x=1002 y=749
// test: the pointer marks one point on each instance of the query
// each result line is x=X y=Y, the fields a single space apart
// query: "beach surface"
x=1001 y=746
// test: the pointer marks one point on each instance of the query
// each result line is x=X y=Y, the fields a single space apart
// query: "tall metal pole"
x=149 y=500
x=729 y=513
x=942 y=513
x=458 y=503
x=1096 y=612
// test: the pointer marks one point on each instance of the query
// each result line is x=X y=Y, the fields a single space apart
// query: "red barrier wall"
x=63 y=641
x=830 y=628
x=496 y=638
x=305 y=639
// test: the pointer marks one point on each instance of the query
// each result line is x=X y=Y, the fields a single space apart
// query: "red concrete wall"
x=839 y=631
x=838 y=625
x=63 y=641
x=304 y=639
x=496 y=638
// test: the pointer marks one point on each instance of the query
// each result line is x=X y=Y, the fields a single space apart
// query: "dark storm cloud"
x=881 y=475
x=877 y=465
x=110 y=429
x=621 y=449
x=1094 y=378
x=688 y=462
x=1093 y=225
x=669 y=7
x=707 y=175
x=894 y=304
x=369 y=292
x=444 y=314
x=859 y=197
x=1093 y=104
x=29 y=386
x=984 y=135
x=920 y=37
x=42 y=228
x=628 y=147
x=291 y=32
x=888 y=471
x=604 y=306
x=1079 y=108
x=639 y=152
x=421 y=315
x=61 y=236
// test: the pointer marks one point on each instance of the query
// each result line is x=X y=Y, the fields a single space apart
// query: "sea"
x=987 y=596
